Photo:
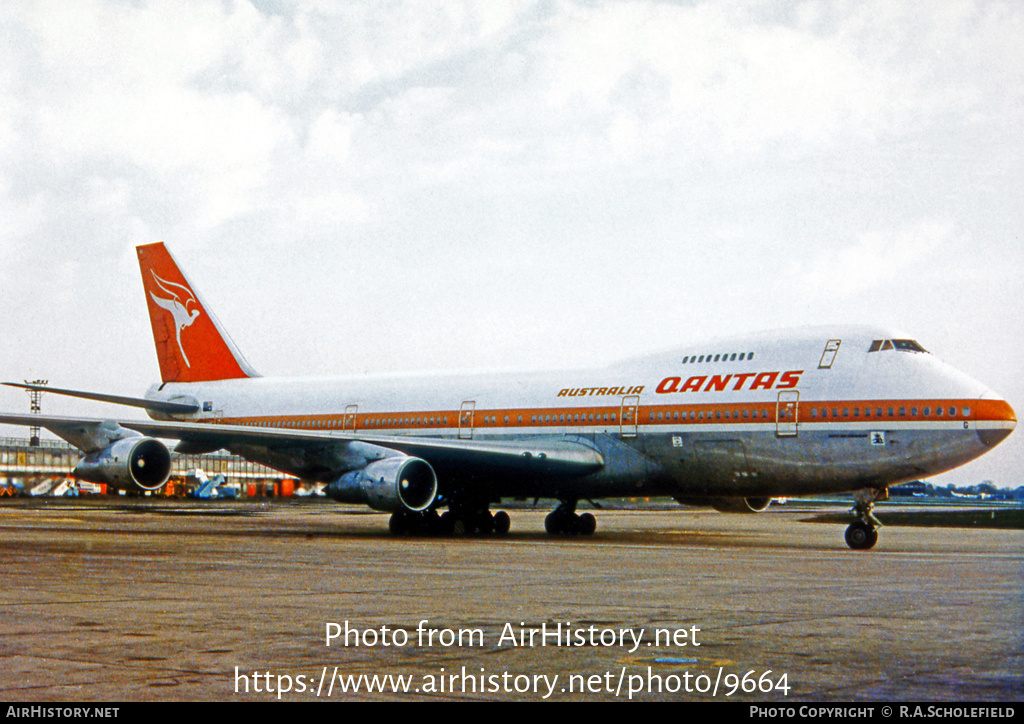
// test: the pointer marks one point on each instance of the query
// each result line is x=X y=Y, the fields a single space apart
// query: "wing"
x=336 y=452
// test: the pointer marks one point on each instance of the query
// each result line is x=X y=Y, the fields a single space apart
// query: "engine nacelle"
x=395 y=483
x=731 y=505
x=133 y=463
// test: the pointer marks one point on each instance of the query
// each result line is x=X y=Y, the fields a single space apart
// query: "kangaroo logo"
x=178 y=302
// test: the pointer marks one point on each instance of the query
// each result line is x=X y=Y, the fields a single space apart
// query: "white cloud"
x=877 y=259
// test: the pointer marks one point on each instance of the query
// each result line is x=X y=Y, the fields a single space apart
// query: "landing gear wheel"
x=398 y=523
x=863 y=532
x=502 y=523
x=485 y=523
x=552 y=523
x=405 y=522
x=860 y=536
x=564 y=520
x=586 y=524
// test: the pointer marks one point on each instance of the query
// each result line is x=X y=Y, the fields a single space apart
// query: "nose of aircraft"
x=995 y=420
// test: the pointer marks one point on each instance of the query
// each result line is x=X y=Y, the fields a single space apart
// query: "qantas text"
x=735 y=383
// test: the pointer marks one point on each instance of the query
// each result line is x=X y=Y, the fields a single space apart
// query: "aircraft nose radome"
x=995 y=421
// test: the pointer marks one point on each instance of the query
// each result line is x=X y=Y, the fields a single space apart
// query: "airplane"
x=731 y=424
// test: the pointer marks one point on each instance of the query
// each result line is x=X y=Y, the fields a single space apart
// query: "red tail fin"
x=190 y=343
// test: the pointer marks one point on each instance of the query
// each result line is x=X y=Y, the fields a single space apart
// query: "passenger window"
x=966 y=411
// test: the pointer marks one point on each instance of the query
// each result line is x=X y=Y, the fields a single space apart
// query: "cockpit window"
x=908 y=345
x=904 y=345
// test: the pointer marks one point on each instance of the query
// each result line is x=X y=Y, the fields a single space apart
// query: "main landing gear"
x=564 y=520
x=457 y=521
x=863 y=532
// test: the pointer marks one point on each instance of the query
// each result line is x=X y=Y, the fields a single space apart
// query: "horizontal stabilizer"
x=171 y=408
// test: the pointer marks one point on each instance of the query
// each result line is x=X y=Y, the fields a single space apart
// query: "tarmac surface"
x=122 y=600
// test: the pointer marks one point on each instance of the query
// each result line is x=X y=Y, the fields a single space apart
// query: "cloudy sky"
x=380 y=186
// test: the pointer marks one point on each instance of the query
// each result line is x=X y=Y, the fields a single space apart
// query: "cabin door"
x=466 y=420
x=786 y=412
x=628 y=415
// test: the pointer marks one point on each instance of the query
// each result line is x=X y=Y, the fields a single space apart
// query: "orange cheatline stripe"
x=980 y=410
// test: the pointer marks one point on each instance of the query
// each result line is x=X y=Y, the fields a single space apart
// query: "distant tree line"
x=983 y=491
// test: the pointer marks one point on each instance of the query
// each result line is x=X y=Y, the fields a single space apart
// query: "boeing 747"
x=731 y=424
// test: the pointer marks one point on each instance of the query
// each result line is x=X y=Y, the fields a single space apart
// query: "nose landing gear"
x=863 y=533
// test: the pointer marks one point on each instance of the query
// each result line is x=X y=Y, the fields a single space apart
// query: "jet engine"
x=394 y=483
x=741 y=505
x=132 y=464
x=730 y=505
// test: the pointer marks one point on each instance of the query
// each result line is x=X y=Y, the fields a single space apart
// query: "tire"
x=552 y=524
x=586 y=524
x=502 y=523
x=860 y=536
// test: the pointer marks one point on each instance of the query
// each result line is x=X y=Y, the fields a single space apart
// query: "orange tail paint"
x=190 y=344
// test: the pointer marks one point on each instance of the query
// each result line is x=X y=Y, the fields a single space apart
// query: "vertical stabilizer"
x=190 y=343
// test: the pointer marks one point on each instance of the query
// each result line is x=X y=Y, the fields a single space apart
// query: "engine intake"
x=133 y=463
x=394 y=483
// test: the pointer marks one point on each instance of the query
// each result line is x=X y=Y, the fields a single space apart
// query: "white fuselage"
x=814 y=410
